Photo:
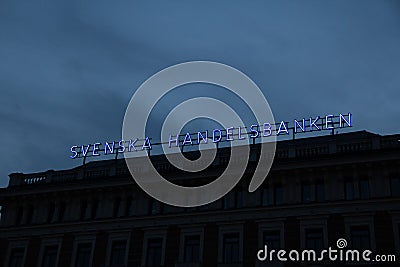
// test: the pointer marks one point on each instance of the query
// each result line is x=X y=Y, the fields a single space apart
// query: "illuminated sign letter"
x=95 y=149
x=240 y=137
x=328 y=120
x=282 y=128
x=267 y=131
x=313 y=123
x=74 y=153
x=229 y=133
x=188 y=139
x=205 y=139
x=146 y=144
x=219 y=135
x=109 y=148
x=121 y=146
x=132 y=145
x=302 y=127
x=254 y=132
x=173 y=140
x=348 y=121
x=85 y=151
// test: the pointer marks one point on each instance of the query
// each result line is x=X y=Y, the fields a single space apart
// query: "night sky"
x=69 y=68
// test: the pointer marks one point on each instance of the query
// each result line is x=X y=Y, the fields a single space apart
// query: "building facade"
x=320 y=189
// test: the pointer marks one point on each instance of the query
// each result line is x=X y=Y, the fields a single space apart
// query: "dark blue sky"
x=69 y=68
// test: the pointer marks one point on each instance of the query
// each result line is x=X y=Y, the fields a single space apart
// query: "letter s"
x=74 y=153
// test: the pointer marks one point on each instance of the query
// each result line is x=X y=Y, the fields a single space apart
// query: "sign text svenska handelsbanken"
x=328 y=122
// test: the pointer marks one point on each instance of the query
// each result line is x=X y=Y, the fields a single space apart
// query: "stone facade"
x=320 y=189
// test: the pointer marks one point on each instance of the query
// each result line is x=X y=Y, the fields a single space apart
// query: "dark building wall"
x=336 y=165
x=384 y=232
x=136 y=247
x=336 y=229
x=33 y=250
x=66 y=250
x=292 y=233
x=100 y=249
x=3 y=249
x=211 y=247
x=250 y=241
x=172 y=249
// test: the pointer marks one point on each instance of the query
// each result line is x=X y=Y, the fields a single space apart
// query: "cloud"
x=69 y=68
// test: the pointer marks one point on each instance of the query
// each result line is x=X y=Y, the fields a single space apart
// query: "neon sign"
x=230 y=134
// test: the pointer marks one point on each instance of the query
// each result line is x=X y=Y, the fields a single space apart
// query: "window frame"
x=368 y=236
x=228 y=229
x=191 y=232
x=309 y=186
x=367 y=219
x=82 y=240
x=150 y=234
x=312 y=223
x=273 y=225
x=393 y=193
x=275 y=200
x=15 y=244
x=115 y=237
x=52 y=241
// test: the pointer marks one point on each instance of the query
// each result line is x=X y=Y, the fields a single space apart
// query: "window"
x=130 y=206
x=314 y=238
x=265 y=197
x=29 y=214
x=192 y=248
x=191 y=245
x=50 y=256
x=17 y=257
x=61 y=212
x=117 y=205
x=312 y=192
x=364 y=188
x=360 y=238
x=234 y=199
x=320 y=191
x=306 y=193
x=118 y=252
x=154 y=207
x=229 y=200
x=239 y=198
x=272 y=238
x=83 y=254
x=18 y=218
x=83 y=210
x=231 y=247
x=95 y=207
x=50 y=212
x=154 y=252
x=278 y=195
x=349 y=190
x=395 y=186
